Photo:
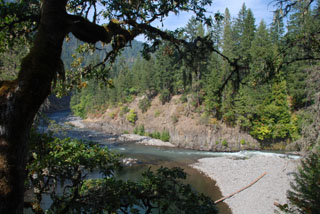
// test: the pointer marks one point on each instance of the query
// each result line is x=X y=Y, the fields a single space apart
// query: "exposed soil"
x=188 y=128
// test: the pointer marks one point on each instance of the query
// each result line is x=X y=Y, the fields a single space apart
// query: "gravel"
x=233 y=174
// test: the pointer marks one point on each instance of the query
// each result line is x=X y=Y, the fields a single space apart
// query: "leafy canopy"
x=63 y=169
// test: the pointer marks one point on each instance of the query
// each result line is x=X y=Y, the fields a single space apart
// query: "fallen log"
x=253 y=182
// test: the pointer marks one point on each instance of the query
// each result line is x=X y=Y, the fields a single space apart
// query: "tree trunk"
x=21 y=99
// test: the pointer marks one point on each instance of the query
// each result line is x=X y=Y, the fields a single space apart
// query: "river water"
x=154 y=157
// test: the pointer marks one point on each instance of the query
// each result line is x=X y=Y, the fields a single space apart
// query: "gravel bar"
x=232 y=174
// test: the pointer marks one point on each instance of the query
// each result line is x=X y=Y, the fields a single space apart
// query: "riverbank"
x=233 y=174
x=188 y=128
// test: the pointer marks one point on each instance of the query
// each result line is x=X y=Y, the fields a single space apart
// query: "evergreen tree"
x=274 y=116
x=277 y=28
x=261 y=52
x=304 y=197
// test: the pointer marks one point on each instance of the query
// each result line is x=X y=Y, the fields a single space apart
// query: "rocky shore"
x=129 y=138
x=233 y=174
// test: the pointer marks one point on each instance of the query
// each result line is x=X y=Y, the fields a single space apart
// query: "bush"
x=165 y=96
x=155 y=135
x=165 y=136
x=55 y=161
x=305 y=194
x=183 y=98
x=112 y=115
x=132 y=116
x=225 y=143
x=243 y=142
x=139 y=130
x=144 y=104
x=123 y=110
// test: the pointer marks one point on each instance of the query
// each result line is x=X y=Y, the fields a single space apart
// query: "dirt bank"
x=188 y=129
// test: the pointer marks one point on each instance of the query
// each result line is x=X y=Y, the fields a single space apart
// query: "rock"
x=144 y=140
x=129 y=161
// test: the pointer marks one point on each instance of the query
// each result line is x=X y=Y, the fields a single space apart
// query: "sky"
x=262 y=9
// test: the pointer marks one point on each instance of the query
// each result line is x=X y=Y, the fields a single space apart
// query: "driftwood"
x=253 y=182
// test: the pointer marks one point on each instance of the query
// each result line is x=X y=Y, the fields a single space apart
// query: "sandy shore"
x=232 y=175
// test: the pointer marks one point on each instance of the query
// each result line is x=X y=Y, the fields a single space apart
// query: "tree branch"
x=87 y=31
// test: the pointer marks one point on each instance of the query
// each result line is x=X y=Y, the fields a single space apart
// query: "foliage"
x=61 y=168
x=304 y=197
x=123 y=110
x=144 y=104
x=276 y=121
x=132 y=116
x=139 y=130
x=165 y=136
x=224 y=143
x=165 y=96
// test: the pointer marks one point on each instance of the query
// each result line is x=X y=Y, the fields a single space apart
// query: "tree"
x=275 y=120
x=61 y=169
x=277 y=28
x=21 y=98
x=304 y=197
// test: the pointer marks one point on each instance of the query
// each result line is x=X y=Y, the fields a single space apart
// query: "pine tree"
x=274 y=116
x=261 y=52
x=277 y=28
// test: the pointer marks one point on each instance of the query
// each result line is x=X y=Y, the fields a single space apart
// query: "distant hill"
x=130 y=53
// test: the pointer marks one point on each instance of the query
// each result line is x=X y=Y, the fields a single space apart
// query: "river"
x=154 y=157
x=147 y=156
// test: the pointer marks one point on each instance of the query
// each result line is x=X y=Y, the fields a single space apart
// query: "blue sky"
x=262 y=9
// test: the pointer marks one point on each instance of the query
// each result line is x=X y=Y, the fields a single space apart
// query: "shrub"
x=242 y=142
x=123 y=110
x=155 y=135
x=132 y=116
x=165 y=96
x=225 y=143
x=54 y=161
x=112 y=115
x=305 y=194
x=183 y=98
x=139 y=130
x=144 y=104
x=165 y=136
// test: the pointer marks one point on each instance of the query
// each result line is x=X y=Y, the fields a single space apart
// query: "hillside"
x=202 y=98
x=187 y=129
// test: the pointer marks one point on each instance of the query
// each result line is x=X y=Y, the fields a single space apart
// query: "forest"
x=268 y=96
